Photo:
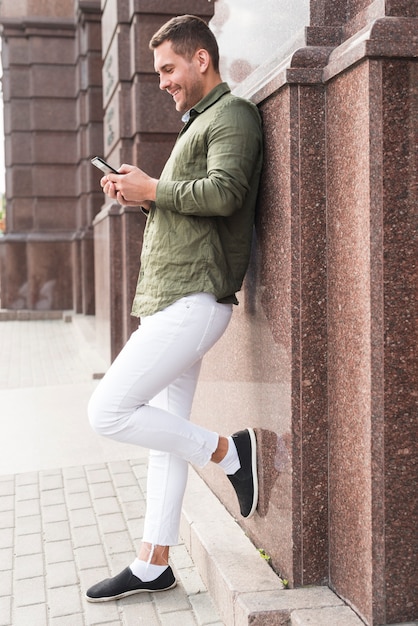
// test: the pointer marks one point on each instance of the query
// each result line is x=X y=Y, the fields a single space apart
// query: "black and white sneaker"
x=245 y=480
x=126 y=583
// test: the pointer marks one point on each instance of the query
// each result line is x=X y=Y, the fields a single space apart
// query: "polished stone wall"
x=371 y=165
x=320 y=354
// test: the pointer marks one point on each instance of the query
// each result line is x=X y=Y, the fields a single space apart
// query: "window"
x=254 y=33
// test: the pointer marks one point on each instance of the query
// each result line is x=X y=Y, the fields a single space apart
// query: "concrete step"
x=325 y=616
x=242 y=585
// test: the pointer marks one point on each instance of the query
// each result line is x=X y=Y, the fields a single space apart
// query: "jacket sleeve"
x=234 y=143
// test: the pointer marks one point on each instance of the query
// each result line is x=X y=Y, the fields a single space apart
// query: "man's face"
x=180 y=77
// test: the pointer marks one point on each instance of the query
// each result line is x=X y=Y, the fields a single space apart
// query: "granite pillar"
x=51 y=62
x=400 y=184
x=371 y=215
x=269 y=370
x=355 y=334
x=89 y=113
x=36 y=187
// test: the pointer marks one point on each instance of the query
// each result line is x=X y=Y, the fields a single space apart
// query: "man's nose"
x=164 y=83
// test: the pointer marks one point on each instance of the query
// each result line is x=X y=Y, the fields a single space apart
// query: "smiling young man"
x=194 y=257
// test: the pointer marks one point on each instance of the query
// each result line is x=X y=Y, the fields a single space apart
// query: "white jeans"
x=146 y=397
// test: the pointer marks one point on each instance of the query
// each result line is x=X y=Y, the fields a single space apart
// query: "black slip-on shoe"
x=125 y=584
x=245 y=480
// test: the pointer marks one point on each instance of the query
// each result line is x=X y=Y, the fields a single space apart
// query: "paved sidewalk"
x=72 y=503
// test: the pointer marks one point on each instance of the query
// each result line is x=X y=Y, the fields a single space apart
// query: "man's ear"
x=203 y=58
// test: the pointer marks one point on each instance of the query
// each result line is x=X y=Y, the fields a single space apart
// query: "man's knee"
x=98 y=417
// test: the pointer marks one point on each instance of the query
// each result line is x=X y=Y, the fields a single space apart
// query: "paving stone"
x=29 y=524
x=5 y=611
x=118 y=562
x=90 y=556
x=7 y=519
x=69 y=473
x=130 y=493
x=29 y=566
x=57 y=531
x=29 y=591
x=136 y=529
x=140 y=469
x=7 y=503
x=61 y=574
x=55 y=513
x=120 y=467
x=6 y=537
x=35 y=615
x=178 y=618
x=140 y=612
x=6 y=559
x=76 y=485
x=101 y=612
x=98 y=475
x=67 y=620
x=112 y=522
x=204 y=609
x=29 y=544
x=27 y=492
x=133 y=510
x=50 y=480
x=107 y=623
x=27 y=478
x=107 y=505
x=78 y=501
x=86 y=536
x=6 y=580
x=83 y=517
x=58 y=551
x=118 y=542
x=191 y=580
x=64 y=601
x=142 y=483
x=102 y=490
x=125 y=479
x=173 y=600
x=180 y=556
x=24 y=508
x=7 y=486
x=52 y=496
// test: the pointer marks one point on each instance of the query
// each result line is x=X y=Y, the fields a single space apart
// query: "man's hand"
x=132 y=187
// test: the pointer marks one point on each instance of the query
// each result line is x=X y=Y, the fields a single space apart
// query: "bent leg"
x=164 y=347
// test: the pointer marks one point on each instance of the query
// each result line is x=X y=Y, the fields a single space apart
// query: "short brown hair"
x=187 y=34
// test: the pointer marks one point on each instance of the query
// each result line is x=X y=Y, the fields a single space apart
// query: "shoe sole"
x=254 y=471
x=128 y=593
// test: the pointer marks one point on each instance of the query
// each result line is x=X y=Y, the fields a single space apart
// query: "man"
x=195 y=253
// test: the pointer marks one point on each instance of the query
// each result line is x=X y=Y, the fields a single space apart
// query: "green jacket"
x=198 y=232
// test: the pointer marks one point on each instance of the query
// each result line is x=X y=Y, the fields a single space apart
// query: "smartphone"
x=102 y=165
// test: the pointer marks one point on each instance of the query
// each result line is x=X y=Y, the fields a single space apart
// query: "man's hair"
x=187 y=34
